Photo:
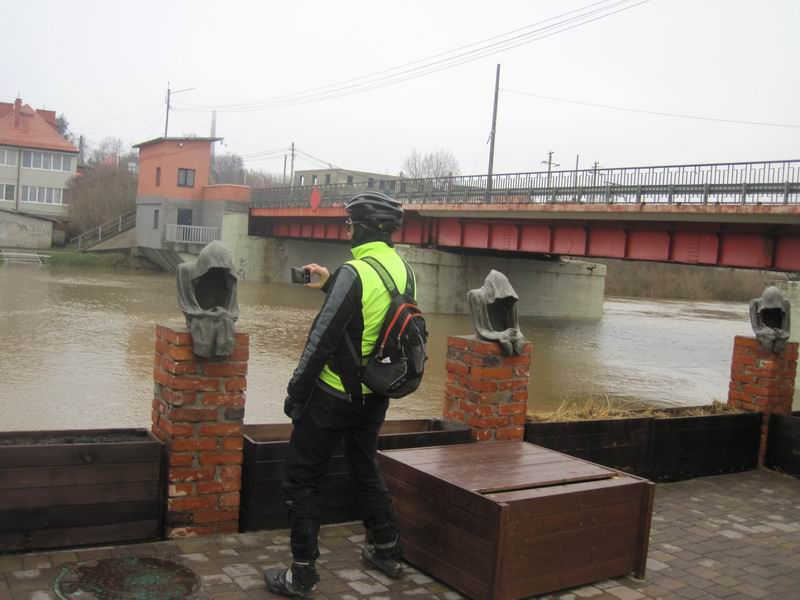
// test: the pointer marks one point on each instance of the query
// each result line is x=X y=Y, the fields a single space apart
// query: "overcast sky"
x=105 y=66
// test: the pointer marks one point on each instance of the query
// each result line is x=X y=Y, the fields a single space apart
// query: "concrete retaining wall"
x=19 y=231
x=555 y=289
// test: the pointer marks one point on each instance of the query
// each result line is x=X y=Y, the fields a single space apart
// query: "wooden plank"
x=78 y=516
x=574 y=520
x=28 y=477
x=78 y=495
x=643 y=541
x=81 y=536
x=463 y=581
x=525 y=477
x=448 y=513
x=79 y=454
x=419 y=457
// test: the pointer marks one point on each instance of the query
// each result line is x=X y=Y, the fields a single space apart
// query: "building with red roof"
x=35 y=161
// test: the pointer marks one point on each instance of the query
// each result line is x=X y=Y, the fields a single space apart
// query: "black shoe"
x=277 y=583
x=389 y=564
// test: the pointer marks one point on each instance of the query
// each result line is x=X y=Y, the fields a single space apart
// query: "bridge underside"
x=748 y=238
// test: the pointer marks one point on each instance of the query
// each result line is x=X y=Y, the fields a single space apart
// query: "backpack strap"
x=388 y=282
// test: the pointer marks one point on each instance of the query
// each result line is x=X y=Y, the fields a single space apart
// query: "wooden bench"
x=508 y=520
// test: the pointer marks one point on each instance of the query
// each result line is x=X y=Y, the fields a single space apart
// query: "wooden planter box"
x=72 y=488
x=783 y=443
x=507 y=520
x=265 y=449
x=671 y=449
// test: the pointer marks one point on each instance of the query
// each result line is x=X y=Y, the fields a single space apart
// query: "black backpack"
x=397 y=362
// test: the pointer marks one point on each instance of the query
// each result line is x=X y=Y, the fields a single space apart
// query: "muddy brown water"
x=76 y=349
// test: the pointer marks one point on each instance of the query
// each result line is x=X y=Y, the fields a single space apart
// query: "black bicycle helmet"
x=375 y=211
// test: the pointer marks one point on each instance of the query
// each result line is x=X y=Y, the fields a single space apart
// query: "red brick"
x=235 y=384
x=453 y=378
x=177 y=398
x=234 y=400
x=481 y=360
x=161 y=347
x=520 y=396
x=231 y=472
x=517 y=408
x=182 y=382
x=522 y=372
x=457 y=342
x=485 y=422
x=480 y=385
x=455 y=391
x=239 y=353
x=182 y=430
x=453 y=366
x=483 y=347
x=181 y=460
x=233 y=443
x=193 y=415
x=756 y=390
x=741 y=341
x=215 y=429
x=242 y=339
x=158 y=432
x=518 y=420
x=180 y=352
x=177 y=338
x=481 y=435
x=229 y=499
x=193 y=445
x=160 y=377
x=451 y=415
x=225 y=369
x=221 y=458
x=232 y=485
x=517 y=361
x=469 y=407
x=191 y=503
x=493 y=373
x=210 y=516
x=184 y=475
x=159 y=332
x=513 y=384
x=210 y=487
x=177 y=490
x=510 y=433
x=178 y=367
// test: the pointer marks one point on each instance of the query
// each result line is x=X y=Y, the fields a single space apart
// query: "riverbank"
x=67 y=257
x=664 y=281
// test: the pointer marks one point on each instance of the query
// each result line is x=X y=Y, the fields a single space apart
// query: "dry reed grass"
x=602 y=408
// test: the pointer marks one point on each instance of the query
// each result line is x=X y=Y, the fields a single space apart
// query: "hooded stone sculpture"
x=494 y=313
x=207 y=297
x=769 y=317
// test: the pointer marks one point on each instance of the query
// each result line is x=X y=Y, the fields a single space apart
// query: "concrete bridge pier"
x=567 y=289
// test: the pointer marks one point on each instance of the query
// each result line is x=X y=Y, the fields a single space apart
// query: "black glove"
x=293 y=408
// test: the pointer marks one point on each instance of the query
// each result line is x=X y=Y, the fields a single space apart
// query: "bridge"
x=744 y=215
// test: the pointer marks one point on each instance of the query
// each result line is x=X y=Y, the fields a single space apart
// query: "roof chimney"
x=17 y=112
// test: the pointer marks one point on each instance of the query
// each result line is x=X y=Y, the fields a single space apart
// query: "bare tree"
x=102 y=193
x=107 y=152
x=230 y=168
x=432 y=164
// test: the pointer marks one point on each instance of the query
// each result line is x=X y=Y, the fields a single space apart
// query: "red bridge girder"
x=749 y=246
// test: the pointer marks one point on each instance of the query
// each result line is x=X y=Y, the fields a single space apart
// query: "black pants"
x=325 y=421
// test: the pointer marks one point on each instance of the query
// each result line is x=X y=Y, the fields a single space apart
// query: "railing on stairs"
x=105 y=231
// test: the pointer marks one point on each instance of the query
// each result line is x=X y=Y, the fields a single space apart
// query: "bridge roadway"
x=743 y=215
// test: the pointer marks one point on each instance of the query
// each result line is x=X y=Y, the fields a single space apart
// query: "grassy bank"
x=65 y=257
x=684 y=282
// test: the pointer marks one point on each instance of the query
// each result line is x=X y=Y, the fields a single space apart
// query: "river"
x=76 y=349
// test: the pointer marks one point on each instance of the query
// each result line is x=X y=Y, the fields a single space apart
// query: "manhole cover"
x=127 y=578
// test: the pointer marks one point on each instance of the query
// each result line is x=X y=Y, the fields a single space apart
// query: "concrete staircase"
x=166 y=259
x=105 y=231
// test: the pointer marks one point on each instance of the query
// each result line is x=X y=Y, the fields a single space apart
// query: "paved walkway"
x=733 y=536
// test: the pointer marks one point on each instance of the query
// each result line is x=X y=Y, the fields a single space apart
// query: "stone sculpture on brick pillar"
x=207 y=297
x=494 y=313
x=769 y=317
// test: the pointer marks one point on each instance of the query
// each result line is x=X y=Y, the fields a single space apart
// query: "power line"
x=652 y=112
x=395 y=75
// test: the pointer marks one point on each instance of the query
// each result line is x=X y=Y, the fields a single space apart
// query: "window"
x=155 y=219
x=302 y=179
x=47 y=161
x=37 y=160
x=371 y=182
x=391 y=185
x=185 y=177
x=381 y=184
x=42 y=195
x=328 y=179
x=349 y=180
x=26 y=158
x=8 y=157
x=6 y=191
x=42 y=160
x=158 y=176
x=66 y=164
x=56 y=162
x=313 y=180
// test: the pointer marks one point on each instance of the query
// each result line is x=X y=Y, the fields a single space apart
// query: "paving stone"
x=368 y=587
x=239 y=570
x=624 y=593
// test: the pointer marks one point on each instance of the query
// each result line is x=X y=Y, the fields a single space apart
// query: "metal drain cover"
x=127 y=578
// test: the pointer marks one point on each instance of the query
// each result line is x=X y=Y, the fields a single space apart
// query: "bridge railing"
x=722 y=183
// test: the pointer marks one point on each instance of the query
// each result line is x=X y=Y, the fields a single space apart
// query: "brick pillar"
x=486 y=390
x=762 y=381
x=197 y=412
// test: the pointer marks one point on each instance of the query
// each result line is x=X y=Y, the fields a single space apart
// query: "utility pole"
x=213 y=169
x=291 y=181
x=81 y=147
x=169 y=97
x=284 y=169
x=492 y=136
x=550 y=164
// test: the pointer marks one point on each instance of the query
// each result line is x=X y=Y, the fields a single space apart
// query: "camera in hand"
x=301 y=275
